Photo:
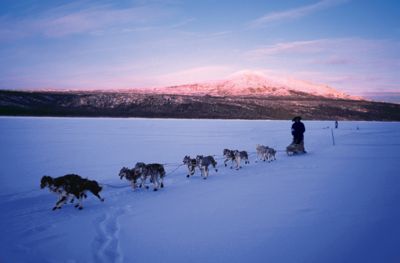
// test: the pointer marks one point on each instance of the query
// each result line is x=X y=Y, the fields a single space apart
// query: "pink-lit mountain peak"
x=253 y=83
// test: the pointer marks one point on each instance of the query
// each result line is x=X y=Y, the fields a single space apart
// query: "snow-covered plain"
x=335 y=204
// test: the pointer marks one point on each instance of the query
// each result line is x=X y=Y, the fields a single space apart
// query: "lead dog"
x=57 y=185
x=204 y=162
x=71 y=185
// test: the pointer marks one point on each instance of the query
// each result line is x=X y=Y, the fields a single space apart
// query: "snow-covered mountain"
x=254 y=84
x=246 y=95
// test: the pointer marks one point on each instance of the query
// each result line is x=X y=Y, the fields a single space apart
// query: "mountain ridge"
x=242 y=96
x=249 y=83
x=240 y=84
x=128 y=104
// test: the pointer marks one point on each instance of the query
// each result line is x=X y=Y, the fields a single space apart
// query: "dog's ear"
x=45 y=181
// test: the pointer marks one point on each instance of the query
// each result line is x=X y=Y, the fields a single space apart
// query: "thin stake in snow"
x=333 y=137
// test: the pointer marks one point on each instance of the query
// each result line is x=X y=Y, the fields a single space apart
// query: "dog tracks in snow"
x=105 y=245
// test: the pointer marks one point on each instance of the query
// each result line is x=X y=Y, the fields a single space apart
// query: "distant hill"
x=246 y=96
x=254 y=84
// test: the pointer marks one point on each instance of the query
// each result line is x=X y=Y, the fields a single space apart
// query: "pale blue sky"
x=352 y=45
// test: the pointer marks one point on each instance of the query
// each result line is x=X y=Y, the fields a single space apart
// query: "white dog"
x=265 y=153
x=261 y=152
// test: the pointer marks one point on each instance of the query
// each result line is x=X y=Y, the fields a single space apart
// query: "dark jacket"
x=298 y=130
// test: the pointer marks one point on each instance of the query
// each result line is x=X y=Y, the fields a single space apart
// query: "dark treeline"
x=129 y=104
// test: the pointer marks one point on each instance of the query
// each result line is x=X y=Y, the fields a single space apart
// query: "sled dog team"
x=71 y=186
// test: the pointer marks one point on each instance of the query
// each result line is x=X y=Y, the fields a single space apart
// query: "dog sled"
x=295 y=148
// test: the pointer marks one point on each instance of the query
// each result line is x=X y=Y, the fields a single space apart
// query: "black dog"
x=70 y=184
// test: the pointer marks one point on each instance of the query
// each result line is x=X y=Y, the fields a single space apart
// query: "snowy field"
x=335 y=204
